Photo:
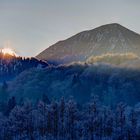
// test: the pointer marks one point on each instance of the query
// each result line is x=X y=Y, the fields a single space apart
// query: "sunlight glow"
x=8 y=51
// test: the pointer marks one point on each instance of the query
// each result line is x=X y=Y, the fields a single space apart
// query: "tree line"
x=11 y=66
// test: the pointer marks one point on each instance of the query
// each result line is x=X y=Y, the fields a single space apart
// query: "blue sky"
x=32 y=25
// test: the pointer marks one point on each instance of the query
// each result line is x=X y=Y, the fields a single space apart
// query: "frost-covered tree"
x=42 y=118
x=64 y=120
x=120 y=121
x=71 y=114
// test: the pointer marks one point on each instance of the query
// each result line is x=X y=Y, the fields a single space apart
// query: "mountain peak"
x=109 y=38
x=111 y=25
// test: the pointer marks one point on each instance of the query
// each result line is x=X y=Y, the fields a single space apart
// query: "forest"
x=79 y=101
x=67 y=120
x=11 y=66
x=112 y=84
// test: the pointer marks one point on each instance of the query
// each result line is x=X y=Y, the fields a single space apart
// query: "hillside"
x=111 y=84
x=11 y=66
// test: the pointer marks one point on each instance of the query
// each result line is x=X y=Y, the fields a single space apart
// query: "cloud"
x=113 y=58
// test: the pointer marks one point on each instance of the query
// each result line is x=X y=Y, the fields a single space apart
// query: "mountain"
x=110 y=38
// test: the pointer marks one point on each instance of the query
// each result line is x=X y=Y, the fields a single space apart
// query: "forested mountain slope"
x=112 y=84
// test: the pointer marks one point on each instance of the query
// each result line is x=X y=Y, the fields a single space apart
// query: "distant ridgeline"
x=10 y=66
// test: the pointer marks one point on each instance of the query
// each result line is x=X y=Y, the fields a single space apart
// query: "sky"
x=30 y=26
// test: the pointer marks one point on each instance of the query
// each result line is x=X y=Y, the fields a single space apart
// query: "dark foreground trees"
x=65 y=120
